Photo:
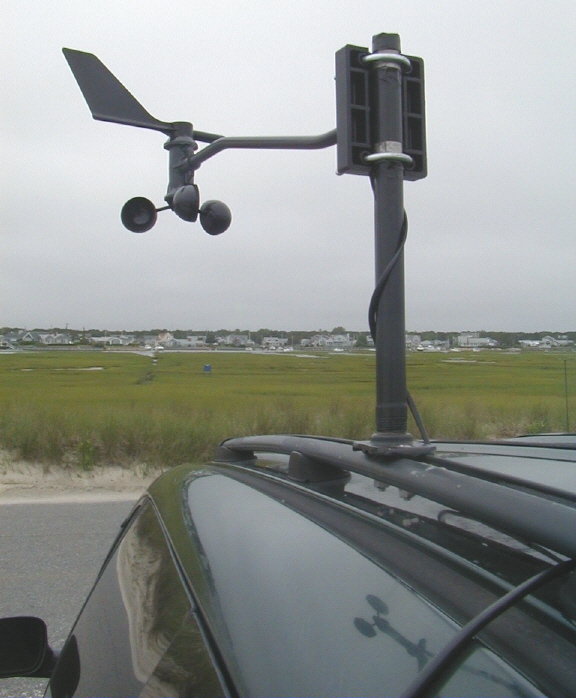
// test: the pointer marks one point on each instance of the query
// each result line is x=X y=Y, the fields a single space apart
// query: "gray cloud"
x=491 y=242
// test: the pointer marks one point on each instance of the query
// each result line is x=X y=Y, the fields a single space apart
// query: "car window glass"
x=185 y=669
x=136 y=610
x=299 y=607
x=538 y=642
x=483 y=673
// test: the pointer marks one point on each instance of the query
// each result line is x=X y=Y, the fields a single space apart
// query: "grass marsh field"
x=86 y=408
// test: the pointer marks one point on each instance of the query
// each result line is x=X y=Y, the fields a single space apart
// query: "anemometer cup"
x=138 y=215
x=215 y=217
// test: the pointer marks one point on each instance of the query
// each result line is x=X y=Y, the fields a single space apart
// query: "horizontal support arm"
x=324 y=140
x=206 y=137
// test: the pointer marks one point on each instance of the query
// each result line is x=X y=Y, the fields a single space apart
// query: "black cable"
x=373 y=317
x=417 y=417
x=423 y=683
x=383 y=280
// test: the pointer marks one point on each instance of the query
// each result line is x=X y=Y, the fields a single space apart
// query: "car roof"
x=291 y=551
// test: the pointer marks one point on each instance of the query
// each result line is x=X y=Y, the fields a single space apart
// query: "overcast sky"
x=492 y=239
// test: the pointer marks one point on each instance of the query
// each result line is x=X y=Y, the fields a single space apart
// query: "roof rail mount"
x=377 y=448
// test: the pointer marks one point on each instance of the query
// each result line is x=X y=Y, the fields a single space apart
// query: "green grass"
x=130 y=410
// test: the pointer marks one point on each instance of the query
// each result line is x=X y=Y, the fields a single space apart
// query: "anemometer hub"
x=186 y=202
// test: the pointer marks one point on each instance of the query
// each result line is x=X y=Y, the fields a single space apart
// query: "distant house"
x=166 y=339
x=112 y=340
x=472 y=340
x=549 y=342
x=321 y=340
x=104 y=339
x=186 y=343
x=236 y=340
x=274 y=342
x=434 y=345
x=197 y=340
x=30 y=337
x=330 y=341
x=14 y=336
x=55 y=338
x=342 y=341
x=149 y=339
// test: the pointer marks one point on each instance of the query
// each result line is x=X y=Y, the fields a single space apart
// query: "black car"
x=309 y=566
x=302 y=566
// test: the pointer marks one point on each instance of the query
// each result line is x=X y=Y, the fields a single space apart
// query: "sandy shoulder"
x=21 y=481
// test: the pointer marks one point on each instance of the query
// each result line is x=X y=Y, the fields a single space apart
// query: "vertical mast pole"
x=388 y=187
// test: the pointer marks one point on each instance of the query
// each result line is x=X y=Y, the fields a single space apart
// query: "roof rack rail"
x=525 y=514
x=561 y=442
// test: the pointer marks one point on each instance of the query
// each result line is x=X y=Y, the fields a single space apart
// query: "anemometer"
x=380 y=133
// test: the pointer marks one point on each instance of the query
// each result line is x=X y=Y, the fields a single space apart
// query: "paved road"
x=50 y=553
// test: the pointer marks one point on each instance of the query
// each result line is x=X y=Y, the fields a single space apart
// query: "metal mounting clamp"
x=389 y=151
x=394 y=157
x=396 y=58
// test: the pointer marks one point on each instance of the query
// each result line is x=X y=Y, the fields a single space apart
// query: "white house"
x=413 y=341
x=236 y=340
x=105 y=339
x=54 y=338
x=549 y=342
x=274 y=342
x=473 y=340
x=166 y=339
x=322 y=340
x=342 y=341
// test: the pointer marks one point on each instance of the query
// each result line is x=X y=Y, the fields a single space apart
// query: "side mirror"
x=24 y=649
